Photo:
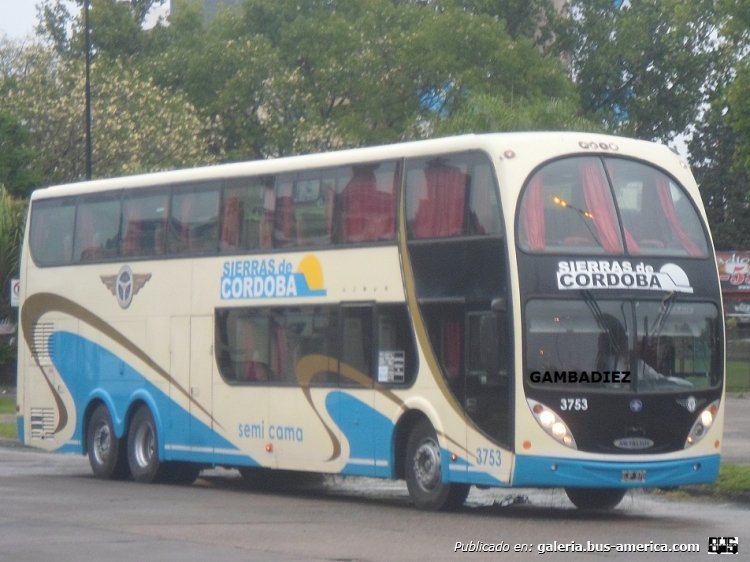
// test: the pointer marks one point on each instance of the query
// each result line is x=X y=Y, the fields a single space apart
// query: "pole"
x=87 y=35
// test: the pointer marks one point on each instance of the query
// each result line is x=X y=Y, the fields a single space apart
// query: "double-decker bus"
x=527 y=309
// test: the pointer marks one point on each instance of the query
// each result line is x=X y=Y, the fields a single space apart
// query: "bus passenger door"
x=201 y=383
x=488 y=389
x=352 y=404
x=176 y=418
x=188 y=424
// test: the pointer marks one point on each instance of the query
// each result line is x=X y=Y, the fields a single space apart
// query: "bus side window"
x=285 y=220
x=244 y=224
x=144 y=222
x=355 y=359
x=97 y=228
x=194 y=219
x=367 y=203
x=397 y=356
x=313 y=197
x=51 y=231
x=438 y=203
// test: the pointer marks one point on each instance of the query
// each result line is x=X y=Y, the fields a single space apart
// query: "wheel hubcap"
x=144 y=446
x=102 y=443
x=427 y=465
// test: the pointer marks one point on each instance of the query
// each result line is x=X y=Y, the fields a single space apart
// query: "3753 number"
x=488 y=457
x=574 y=404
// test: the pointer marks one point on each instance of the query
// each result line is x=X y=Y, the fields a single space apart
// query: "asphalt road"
x=54 y=509
x=736 y=446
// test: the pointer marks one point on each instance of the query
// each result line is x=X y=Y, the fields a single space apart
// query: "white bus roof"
x=544 y=145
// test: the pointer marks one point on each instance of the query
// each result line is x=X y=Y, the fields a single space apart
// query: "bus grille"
x=41 y=347
x=42 y=423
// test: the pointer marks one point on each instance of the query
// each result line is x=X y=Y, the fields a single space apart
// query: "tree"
x=642 y=67
x=720 y=146
x=137 y=126
x=116 y=26
x=17 y=157
x=12 y=212
x=287 y=77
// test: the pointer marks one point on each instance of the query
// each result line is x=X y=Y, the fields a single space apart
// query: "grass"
x=733 y=484
x=738 y=375
x=8 y=406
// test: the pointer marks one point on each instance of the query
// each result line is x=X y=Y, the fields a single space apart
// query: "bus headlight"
x=704 y=421
x=552 y=423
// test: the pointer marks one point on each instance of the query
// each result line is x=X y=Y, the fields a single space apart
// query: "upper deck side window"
x=450 y=196
x=598 y=205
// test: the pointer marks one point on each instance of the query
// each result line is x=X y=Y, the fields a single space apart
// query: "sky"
x=18 y=18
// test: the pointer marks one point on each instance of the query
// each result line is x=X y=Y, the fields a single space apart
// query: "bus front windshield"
x=622 y=346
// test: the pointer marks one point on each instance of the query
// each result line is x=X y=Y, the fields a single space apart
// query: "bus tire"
x=595 y=498
x=106 y=451
x=143 y=447
x=424 y=477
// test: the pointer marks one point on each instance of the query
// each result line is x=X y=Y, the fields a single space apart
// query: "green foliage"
x=642 y=67
x=17 y=157
x=276 y=77
x=12 y=213
x=138 y=126
x=287 y=77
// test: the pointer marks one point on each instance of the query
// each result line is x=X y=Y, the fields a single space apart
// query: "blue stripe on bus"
x=91 y=371
x=367 y=431
x=555 y=472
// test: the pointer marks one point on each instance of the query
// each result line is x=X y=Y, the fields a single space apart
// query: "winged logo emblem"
x=125 y=284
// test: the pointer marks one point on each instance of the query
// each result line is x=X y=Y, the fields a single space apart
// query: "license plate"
x=633 y=476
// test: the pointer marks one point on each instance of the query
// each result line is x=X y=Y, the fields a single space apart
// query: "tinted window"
x=567 y=206
x=194 y=219
x=608 y=205
x=144 y=223
x=316 y=346
x=97 y=230
x=247 y=214
x=656 y=213
x=449 y=196
x=367 y=202
x=52 y=231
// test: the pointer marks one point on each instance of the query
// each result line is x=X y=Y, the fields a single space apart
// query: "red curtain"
x=452 y=348
x=230 y=230
x=441 y=213
x=369 y=214
x=667 y=206
x=532 y=215
x=599 y=204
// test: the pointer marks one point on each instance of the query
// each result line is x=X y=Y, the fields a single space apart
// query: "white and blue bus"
x=530 y=309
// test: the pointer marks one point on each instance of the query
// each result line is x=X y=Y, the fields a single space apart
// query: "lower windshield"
x=622 y=346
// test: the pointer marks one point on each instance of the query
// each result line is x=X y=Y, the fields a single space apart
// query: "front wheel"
x=424 y=477
x=106 y=451
x=595 y=498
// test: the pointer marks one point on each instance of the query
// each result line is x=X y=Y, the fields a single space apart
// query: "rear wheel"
x=106 y=452
x=595 y=498
x=424 y=477
x=143 y=447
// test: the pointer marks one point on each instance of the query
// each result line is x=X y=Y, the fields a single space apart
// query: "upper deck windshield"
x=606 y=205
